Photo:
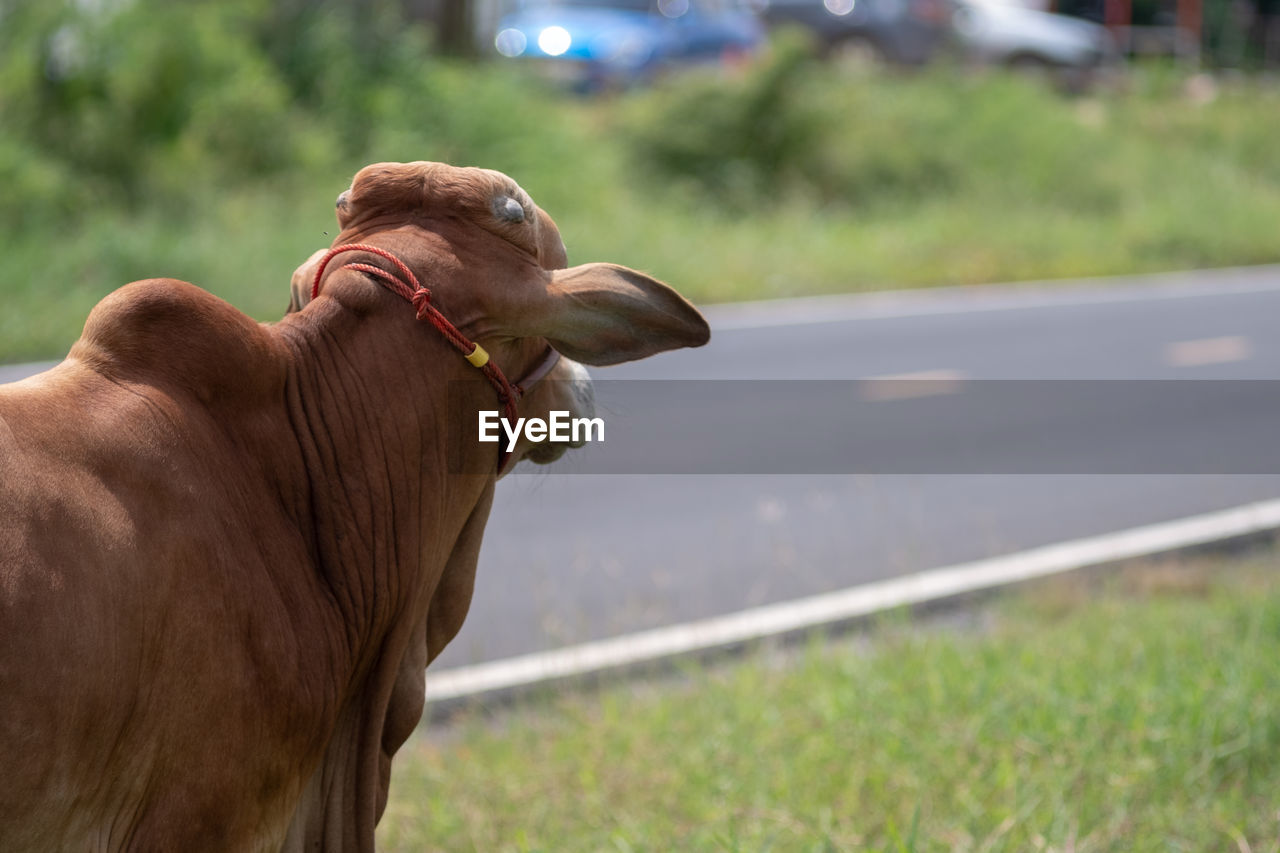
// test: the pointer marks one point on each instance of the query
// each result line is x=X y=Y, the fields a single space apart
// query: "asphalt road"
x=570 y=556
x=937 y=464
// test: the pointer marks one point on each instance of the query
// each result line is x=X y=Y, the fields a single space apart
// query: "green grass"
x=1141 y=714
x=241 y=245
x=877 y=182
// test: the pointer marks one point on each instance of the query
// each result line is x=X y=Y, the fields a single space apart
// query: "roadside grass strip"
x=1127 y=711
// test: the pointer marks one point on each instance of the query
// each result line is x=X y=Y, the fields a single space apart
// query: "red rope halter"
x=414 y=292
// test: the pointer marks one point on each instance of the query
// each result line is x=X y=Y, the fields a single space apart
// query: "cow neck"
x=405 y=284
x=386 y=518
x=375 y=442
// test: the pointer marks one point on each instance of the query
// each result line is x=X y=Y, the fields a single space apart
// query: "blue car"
x=598 y=44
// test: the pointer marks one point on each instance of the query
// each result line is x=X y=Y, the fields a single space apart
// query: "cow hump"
x=169 y=332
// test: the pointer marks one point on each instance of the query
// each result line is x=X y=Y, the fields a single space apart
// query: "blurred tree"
x=452 y=20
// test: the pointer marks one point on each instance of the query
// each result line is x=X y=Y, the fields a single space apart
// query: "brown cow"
x=228 y=550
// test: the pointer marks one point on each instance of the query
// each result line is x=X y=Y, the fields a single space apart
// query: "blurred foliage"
x=113 y=104
x=794 y=126
x=119 y=102
x=144 y=138
x=745 y=136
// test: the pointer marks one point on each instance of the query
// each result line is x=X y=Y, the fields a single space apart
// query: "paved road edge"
x=526 y=671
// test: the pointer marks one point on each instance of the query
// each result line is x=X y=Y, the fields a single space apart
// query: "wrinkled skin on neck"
x=414 y=527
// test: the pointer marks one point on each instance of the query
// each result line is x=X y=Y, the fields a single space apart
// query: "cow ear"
x=605 y=314
x=300 y=282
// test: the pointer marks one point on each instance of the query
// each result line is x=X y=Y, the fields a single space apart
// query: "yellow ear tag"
x=478 y=357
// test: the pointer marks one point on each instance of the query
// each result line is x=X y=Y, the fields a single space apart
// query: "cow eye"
x=508 y=209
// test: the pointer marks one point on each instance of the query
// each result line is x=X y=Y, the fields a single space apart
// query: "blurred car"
x=904 y=32
x=596 y=44
x=999 y=32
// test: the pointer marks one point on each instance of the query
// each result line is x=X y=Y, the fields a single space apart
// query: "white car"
x=1001 y=32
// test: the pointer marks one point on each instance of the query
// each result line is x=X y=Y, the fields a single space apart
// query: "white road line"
x=969 y=299
x=1206 y=351
x=908 y=386
x=775 y=619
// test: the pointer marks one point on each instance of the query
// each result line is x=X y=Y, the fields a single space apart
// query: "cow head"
x=498 y=270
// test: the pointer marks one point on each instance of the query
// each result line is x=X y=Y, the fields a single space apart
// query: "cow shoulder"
x=171 y=333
